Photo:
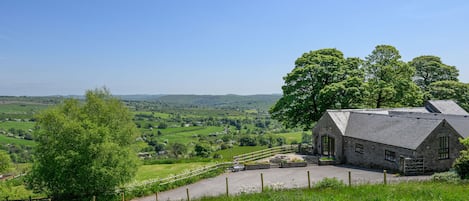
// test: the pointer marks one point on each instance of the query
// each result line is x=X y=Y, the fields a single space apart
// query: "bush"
x=450 y=177
x=461 y=164
x=330 y=183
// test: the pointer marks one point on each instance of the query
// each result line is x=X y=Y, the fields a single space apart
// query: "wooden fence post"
x=156 y=196
x=384 y=177
x=94 y=198
x=30 y=199
x=349 y=178
x=188 y=196
x=227 y=192
x=262 y=182
x=309 y=181
x=123 y=196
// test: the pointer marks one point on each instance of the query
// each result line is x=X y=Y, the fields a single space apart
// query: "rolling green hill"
x=262 y=102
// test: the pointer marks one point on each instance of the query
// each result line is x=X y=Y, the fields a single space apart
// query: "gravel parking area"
x=250 y=181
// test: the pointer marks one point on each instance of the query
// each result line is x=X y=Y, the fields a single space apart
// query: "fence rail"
x=182 y=176
x=256 y=155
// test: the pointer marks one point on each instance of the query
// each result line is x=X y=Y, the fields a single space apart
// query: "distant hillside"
x=262 y=102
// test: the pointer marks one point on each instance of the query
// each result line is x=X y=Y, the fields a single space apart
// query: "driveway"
x=250 y=181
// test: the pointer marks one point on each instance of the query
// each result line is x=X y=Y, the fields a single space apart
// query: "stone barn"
x=409 y=140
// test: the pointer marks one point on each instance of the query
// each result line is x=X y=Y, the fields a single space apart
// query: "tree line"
x=324 y=79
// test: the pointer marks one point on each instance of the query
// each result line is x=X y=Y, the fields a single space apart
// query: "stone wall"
x=430 y=146
x=373 y=155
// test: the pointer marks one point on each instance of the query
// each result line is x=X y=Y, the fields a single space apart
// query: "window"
x=359 y=148
x=389 y=155
x=443 y=151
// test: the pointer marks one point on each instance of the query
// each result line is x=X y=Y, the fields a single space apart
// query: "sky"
x=66 y=47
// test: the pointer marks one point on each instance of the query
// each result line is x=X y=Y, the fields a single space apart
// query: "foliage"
x=84 y=149
x=430 y=69
x=449 y=177
x=330 y=183
x=14 y=189
x=5 y=162
x=177 y=149
x=322 y=79
x=451 y=90
x=461 y=164
x=247 y=141
x=389 y=80
x=306 y=138
x=203 y=150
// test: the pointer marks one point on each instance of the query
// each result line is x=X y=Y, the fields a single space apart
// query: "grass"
x=291 y=137
x=185 y=134
x=146 y=172
x=238 y=150
x=9 y=140
x=21 y=108
x=17 y=125
x=427 y=191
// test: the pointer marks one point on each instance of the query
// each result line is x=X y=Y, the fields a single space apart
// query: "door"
x=327 y=146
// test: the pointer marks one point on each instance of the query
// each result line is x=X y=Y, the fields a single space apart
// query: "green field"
x=21 y=108
x=238 y=150
x=187 y=134
x=10 y=140
x=17 y=125
x=146 y=172
x=421 y=191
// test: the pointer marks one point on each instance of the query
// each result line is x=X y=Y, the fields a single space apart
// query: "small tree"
x=461 y=164
x=84 y=149
x=202 y=150
x=5 y=162
x=177 y=149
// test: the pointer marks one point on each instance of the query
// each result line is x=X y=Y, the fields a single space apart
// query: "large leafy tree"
x=451 y=90
x=84 y=149
x=5 y=162
x=321 y=80
x=389 y=79
x=430 y=69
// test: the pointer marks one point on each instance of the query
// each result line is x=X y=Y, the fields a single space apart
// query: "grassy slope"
x=237 y=150
x=10 y=140
x=146 y=172
x=425 y=191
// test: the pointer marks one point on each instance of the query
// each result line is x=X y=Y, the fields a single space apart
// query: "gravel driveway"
x=250 y=181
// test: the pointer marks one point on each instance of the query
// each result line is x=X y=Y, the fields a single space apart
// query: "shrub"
x=330 y=183
x=461 y=164
x=450 y=177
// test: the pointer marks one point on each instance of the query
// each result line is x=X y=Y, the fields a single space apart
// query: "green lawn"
x=146 y=172
x=10 y=140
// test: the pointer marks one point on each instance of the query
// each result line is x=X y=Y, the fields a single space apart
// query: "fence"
x=265 y=153
x=186 y=175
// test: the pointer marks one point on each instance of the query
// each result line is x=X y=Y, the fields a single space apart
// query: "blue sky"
x=208 y=47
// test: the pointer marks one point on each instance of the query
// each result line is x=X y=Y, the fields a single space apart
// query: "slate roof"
x=460 y=123
x=393 y=130
x=445 y=107
x=402 y=127
x=340 y=119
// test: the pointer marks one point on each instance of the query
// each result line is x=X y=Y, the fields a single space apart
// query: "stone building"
x=408 y=140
